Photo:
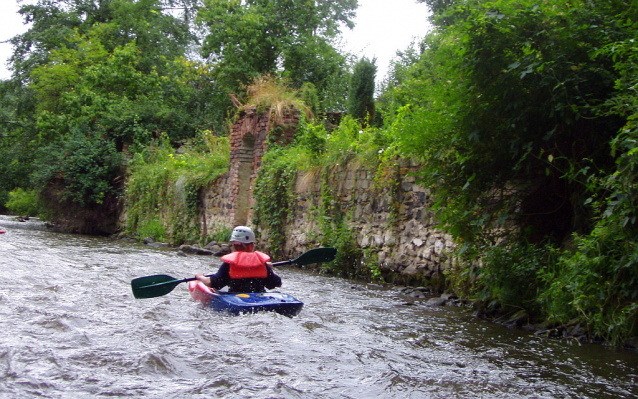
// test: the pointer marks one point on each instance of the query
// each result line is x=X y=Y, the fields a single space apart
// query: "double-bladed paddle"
x=162 y=284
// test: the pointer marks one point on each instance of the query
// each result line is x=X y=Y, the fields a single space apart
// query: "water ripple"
x=72 y=329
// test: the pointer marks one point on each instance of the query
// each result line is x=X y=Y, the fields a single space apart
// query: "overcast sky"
x=382 y=28
x=385 y=26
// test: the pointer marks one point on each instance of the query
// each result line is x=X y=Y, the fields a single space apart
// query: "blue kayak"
x=241 y=303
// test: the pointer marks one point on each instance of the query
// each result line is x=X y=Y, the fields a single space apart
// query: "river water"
x=72 y=329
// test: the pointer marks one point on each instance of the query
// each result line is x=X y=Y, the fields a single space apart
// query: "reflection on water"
x=72 y=329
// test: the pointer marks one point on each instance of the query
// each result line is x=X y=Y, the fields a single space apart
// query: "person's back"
x=243 y=270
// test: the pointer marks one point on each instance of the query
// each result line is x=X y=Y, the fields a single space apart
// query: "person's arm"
x=218 y=280
x=272 y=280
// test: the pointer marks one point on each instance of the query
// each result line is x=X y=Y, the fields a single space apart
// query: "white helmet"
x=242 y=234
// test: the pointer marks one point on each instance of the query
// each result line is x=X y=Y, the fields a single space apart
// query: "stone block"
x=411 y=270
x=417 y=242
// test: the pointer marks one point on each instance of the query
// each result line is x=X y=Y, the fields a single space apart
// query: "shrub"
x=596 y=284
x=163 y=188
x=509 y=276
x=84 y=167
x=23 y=202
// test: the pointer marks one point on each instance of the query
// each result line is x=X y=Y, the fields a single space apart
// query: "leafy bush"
x=163 y=188
x=83 y=167
x=311 y=137
x=219 y=234
x=510 y=276
x=23 y=202
x=596 y=284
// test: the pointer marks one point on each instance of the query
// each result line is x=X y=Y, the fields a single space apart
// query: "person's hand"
x=203 y=279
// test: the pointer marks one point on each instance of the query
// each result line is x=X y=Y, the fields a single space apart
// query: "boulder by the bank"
x=436 y=302
x=181 y=253
x=218 y=249
x=195 y=250
x=152 y=243
x=416 y=292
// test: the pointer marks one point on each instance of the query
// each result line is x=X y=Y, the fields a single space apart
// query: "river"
x=72 y=329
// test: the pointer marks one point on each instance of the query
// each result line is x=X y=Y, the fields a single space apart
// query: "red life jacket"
x=247 y=264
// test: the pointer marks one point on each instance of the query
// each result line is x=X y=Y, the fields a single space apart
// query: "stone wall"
x=390 y=219
x=228 y=201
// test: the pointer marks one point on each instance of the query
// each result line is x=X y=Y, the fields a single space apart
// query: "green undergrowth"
x=596 y=284
x=163 y=189
x=24 y=203
x=274 y=196
x=326 y=154
x=593 y=283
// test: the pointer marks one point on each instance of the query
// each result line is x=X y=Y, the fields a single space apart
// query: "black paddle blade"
x=153 y=286
x=317 y=255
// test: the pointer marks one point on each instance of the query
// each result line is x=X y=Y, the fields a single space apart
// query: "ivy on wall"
x=274 y=196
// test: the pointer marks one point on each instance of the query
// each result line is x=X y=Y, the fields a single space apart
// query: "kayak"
x=241 y=303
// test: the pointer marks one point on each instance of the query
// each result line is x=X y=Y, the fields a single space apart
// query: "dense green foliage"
x=23 y=203
x=92 y=82
x=163 y=191
x=523 y=114
x=361 y=93
x=96 y=83
x=84 y=166
x=248 y=39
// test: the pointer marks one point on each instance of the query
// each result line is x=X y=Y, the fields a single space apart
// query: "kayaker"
x=244 y=269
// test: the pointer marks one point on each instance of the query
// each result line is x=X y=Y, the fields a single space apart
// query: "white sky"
x=10 y=25
x=382 y=28
x=385 y=26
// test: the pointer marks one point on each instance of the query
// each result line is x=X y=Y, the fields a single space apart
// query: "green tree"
x=509 y=93
x=154 y=32
x=113 y=72
x=361 y=91
x=524 y=117
x=247 y=39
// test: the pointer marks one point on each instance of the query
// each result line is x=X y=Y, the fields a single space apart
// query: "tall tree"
x=54 y=22
x=361 y=92
x=257 y=37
